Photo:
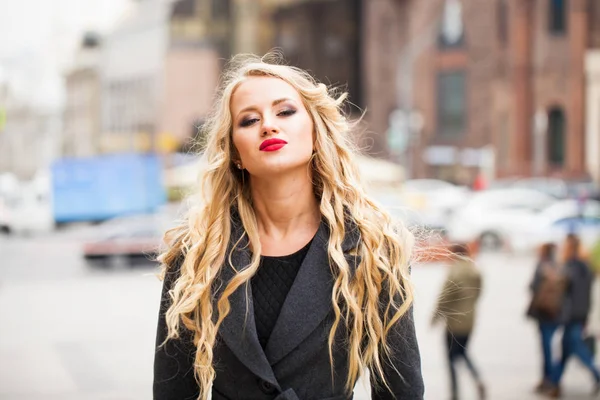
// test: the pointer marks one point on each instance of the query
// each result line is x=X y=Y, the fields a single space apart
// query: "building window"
x=556 y=137
x=557 y=16
x=451 y=103
x=502 y=21
x=220 y=9
x=452 y=26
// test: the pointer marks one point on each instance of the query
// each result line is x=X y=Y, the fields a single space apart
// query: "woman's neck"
x=285 y=206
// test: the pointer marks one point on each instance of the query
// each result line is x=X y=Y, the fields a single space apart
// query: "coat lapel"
x=238 y=329
x=309 y=299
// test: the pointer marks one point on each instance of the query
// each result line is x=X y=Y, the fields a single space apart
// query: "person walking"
x=456 y=307
x=577 y=301
x=547 y=289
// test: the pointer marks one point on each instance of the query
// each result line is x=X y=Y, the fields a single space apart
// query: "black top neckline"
x=288 y=256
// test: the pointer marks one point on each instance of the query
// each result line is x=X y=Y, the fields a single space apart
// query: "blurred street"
x=475 y=120
x=71 y=332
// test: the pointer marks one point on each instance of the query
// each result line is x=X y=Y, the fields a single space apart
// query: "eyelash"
x=284 y=113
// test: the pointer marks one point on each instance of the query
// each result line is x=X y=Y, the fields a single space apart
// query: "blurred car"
x=27 y=208
x=126 y=240
x=31 y=213
x=503 y=183
x=489 y=215
x=433 y=200
x=550 y=186
x=555 y=222
x=556 y=187
x=5 y=217
x=393 y=202
x=583 y=189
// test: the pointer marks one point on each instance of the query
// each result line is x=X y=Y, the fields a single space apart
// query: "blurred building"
x=199 y=42
x=132 y=70
x=159 y=73
x=592 y=100
x=82 y=125
x=29 y=134
x=324 y=38
x=505 y=73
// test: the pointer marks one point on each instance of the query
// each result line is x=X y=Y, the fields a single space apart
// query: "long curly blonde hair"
x=357 y=298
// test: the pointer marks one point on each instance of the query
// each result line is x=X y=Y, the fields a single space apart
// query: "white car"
x=555 y=222
x=489 y=216
x=434 y=200
x=5 y=217
x=30 y=208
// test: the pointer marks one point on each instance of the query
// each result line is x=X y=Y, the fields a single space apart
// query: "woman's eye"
x=248 y=122
x=286 y=113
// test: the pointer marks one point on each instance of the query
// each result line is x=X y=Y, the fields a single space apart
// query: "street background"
x=481 y=126
x=69 y=332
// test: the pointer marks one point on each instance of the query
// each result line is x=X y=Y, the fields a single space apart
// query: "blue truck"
x=107 y=186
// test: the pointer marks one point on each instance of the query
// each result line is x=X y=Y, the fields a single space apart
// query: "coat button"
x=266 y=387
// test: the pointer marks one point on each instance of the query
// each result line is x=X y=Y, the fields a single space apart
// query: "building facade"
x=592 y=111
x=82 y=124
x=160 y=71
x=497 y=85
x=132 y=78
x=324 y=38
x=199 y=42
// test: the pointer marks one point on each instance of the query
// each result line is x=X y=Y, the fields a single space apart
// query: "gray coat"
x=295 y=363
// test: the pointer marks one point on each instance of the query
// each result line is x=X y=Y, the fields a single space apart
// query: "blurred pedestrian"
x=286 y=280
x=547 y=289
x=480 y=182
x=456 y=307
x=595 y=257
x=577 y=301
x=592 y=328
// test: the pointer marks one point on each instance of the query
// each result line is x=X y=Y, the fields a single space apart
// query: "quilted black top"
x=270 y=287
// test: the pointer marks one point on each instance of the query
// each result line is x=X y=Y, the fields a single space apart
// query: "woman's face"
x=272 y=130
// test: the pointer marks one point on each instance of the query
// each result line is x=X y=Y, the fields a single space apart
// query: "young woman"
x=287 y=281
x=456 y=306
x=546 y=306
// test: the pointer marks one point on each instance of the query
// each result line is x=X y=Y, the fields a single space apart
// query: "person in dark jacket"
x=286 y=281
x=577 y=301
x=547 y=277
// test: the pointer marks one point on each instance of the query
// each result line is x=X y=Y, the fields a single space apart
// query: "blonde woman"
x=287 y=281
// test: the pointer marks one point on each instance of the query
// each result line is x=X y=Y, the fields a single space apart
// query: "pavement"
x=71 y=332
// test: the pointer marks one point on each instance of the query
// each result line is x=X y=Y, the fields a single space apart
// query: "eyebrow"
x=275 y=102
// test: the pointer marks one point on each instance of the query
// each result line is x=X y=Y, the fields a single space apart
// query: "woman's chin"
x=272 y=170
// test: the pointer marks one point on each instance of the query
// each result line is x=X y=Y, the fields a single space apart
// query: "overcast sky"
x=38 y=37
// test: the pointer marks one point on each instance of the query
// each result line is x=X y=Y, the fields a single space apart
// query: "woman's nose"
x=269 y=127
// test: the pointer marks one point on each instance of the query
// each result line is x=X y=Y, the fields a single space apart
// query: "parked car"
x=555 y=222
x=29 y=207
x=5 y=217
x=556 y=187
x=583 y=189
x=488 y=216
x=126 y=240
x=434 y=200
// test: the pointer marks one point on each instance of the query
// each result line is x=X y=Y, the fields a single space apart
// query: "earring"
x=238 y=165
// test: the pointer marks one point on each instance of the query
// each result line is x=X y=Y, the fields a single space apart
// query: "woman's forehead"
x=261 y=89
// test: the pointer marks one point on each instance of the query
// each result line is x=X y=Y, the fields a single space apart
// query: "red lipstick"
x=272 y=145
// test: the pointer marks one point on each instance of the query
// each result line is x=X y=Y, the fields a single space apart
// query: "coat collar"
x=307 y=304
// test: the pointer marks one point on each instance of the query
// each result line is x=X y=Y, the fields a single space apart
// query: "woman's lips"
x=272 y=145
